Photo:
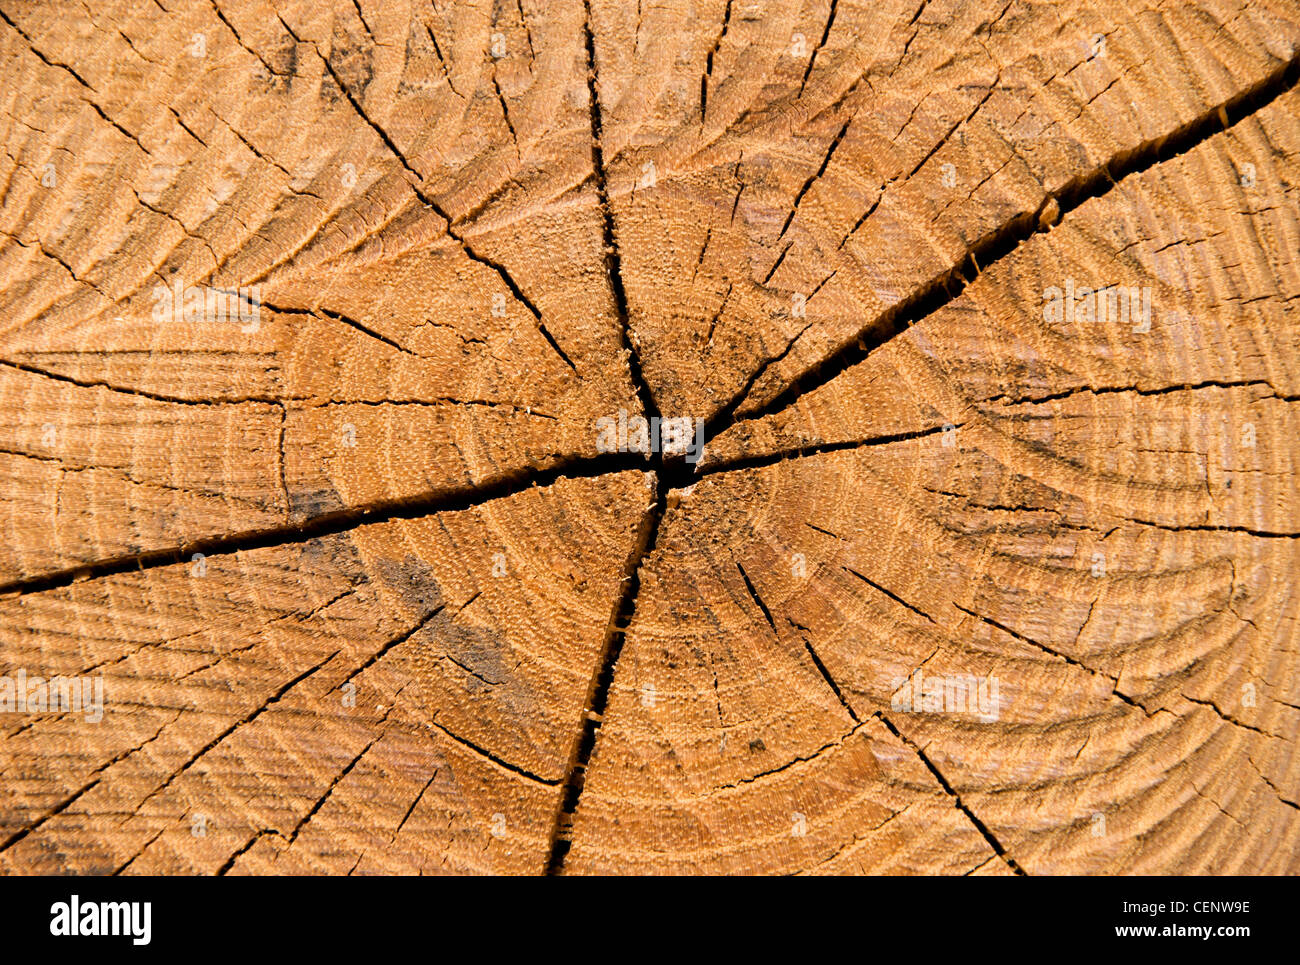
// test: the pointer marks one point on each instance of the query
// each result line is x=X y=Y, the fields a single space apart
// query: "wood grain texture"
x=987 y=311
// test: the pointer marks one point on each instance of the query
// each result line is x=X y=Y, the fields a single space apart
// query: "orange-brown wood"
x=325 y=330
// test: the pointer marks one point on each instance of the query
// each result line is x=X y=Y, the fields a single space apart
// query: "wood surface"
x=367 y=592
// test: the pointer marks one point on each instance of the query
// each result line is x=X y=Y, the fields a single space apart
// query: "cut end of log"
x=605 y=438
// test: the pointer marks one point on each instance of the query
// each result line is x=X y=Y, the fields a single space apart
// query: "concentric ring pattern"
x=311 y=318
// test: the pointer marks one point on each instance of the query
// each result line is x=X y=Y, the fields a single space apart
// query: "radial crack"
x=948 y=789
x=1003 y=241
x=332 y=524
x=418 y=185
x=613 y=256
x=599 y=688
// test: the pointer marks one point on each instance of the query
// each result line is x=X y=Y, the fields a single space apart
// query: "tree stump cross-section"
x=736 y=436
